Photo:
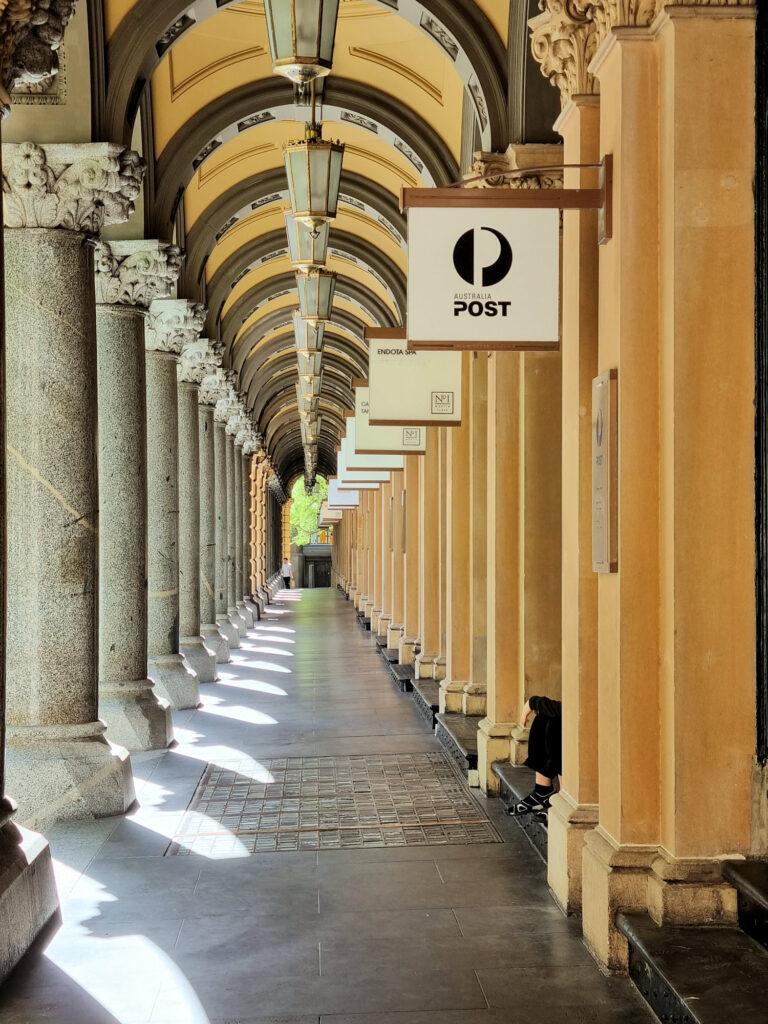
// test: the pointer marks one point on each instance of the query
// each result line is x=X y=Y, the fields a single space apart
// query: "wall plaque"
x=605 y=550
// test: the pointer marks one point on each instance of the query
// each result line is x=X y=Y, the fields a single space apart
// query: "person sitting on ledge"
x=544 y=754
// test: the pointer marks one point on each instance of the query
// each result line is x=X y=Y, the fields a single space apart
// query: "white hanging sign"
x=407 y=388
x=408 y=440
x=353 y=460
x=483 y=278
x=341 y=499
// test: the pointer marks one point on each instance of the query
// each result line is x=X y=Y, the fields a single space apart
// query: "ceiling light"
x=306 y=247
x=301 y=37
x=316 y=291
x=313 y=166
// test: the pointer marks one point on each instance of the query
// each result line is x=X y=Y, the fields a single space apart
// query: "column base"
x=451 y=695
x=424 y=666
x=216 y=642
x=684 y=891
x=375 y=616
x=136 y=717
x=352 y=595
x=394 y=632
x=174 y=681
x=67 y=773
x=407 y=649
x=368 y=612
x=383 y=625
x=493 y=744
x=439 y=669
x=256 y=604
x=28 y=899
x=568 y=824
x=613 y=878
x=199 y=657
x=245 y=614
x=519 y=751
x=475 y=699
x=229 y=631
x=238 y=622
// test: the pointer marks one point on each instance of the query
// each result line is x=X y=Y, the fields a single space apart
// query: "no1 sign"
x=483 y=278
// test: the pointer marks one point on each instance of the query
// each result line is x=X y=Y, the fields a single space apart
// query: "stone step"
x=515 y=783
x=426 y=695
x=697 y=975
x=381 y=640
x=402 y=676
x=391 y=654
x=750 y=879
x=458 y=736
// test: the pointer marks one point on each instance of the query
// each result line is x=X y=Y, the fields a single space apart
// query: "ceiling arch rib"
x=258 y=363
x=274 y=287
x=336 y=393
x=253 y=338
x=236 y=114
x=460 y=28
x=257 y=251
x=257 y=191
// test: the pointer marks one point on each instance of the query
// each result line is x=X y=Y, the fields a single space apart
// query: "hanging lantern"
x=301 y=37
x=313 y=167
x=316 y=291
x=308 y=336
x=306 y=248
x=309 y=362
x=310 y=386
x=308 y=404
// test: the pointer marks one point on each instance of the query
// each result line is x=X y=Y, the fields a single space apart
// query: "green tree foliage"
x=305 y=510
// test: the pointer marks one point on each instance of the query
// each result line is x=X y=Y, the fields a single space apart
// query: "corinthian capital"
x=213 y=388
x=493 y=170
x=172 y=324
x=31 y=32
x=135 y=273
x=564 y=38
x=199 y=360
x=81 y=187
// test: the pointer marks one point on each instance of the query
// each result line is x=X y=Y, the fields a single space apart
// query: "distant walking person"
x=287 y=573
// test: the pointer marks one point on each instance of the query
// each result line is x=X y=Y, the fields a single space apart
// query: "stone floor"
x=419 y=931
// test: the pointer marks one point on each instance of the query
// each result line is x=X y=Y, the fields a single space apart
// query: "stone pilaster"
x=429 y=563
x=59 y=763
x=170 y=323
x=129 y=275
x=212 y=389
x=249 y=444
x=221 y=414
x=198 y=361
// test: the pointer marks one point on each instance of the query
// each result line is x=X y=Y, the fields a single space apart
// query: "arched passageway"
x=203 y=253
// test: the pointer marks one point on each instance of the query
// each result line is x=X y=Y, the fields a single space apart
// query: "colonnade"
x=494 y=594
x=136 y=558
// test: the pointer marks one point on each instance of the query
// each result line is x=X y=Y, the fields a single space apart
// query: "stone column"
x=129 y=275
x=220 y=417
x=385 y=615
x=198 y=361
x=573 y=811
x=248 y=442
x=168 y=329
x=474 y=700
x=429 y=563
x=243 y=610
x=397 y=559
x=211 y=390
x=233 y=501
x=27 y=888
x=495 y=731
x=376 y=575
x=59 y=763
x=439 y=668
x=412 y=558
x=458 y=547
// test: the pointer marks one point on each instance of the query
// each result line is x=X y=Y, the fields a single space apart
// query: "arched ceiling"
x=406 y=76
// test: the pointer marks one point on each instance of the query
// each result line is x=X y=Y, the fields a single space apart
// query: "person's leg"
x=540 y=748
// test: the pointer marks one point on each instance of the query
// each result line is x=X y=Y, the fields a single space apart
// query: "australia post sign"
x=483 y=278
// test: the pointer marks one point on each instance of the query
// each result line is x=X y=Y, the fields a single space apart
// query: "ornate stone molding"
x=226 y=407
x=172 y=324
x=31 y=32
x=198 y=361
x=492 y=167
x=135 y=273
x=81 y=187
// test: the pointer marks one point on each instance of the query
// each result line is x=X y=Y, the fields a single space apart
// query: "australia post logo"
x=483 y=258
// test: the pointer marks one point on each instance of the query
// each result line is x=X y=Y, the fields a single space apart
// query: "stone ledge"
x=696 y=975
x=750 y=879
x=514 y=784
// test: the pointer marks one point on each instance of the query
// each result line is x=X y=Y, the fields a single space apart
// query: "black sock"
x=542 y=788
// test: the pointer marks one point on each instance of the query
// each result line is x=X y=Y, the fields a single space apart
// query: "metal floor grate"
x=331 y=803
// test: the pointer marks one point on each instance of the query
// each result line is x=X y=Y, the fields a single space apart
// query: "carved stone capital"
x=81 y=187
x=226 y=407
x=564 y=38
x=493 y=169
x=172 y=324
x=213 y=389
x=135 y=273
x=31 y=32
x=198 y=361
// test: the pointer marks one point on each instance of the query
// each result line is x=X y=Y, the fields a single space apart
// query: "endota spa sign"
x=483 y=278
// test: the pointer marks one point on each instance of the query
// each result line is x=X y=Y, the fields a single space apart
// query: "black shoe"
x=534 y=803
